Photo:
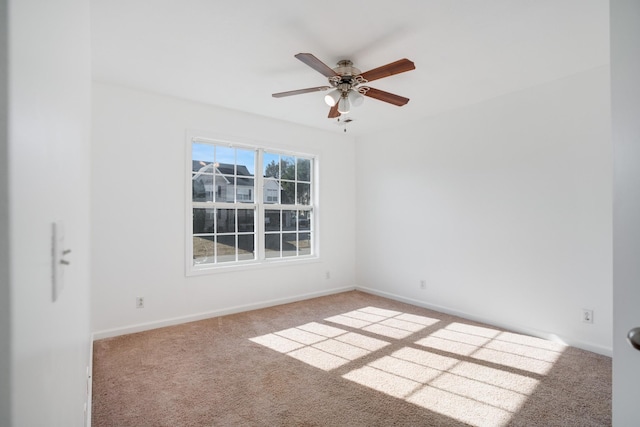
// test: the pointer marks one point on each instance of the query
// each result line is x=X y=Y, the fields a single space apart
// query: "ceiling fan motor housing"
x=346 y=78
x=346 y=68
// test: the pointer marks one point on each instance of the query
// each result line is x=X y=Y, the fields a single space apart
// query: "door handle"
x=634 y=338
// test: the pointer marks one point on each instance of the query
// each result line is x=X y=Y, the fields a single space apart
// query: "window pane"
x=272 y=220
x=304 y=220
x=226 y=248
x=244 y=190
x=203 y=220
x=272 y=245
x=288 y=167
x=246 y=248
x=289 y=243
x=271 y=190
x=288 y=193
x=226 y=221
x=245 y=220
x=304 y=194
x=202 y=188
x=271 y=165
x=224 y=188
x=246 y=161
x=202 y=250
x=201 y=154
x=289 y=220
x=303 y=170
x=225 y=156
x=304 y=244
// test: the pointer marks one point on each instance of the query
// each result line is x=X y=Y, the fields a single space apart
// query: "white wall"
x=138 y=213
x=625 y=110
x=48 y=177
x=504 y=208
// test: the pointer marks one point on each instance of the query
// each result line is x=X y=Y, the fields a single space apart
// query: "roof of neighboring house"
x=241 y=171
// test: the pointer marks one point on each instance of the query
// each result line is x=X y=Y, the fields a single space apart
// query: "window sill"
x=252 y=265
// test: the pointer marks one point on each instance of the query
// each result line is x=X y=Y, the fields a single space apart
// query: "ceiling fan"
x=350 y=85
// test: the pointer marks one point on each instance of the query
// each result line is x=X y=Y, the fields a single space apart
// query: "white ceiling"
x=235 y=54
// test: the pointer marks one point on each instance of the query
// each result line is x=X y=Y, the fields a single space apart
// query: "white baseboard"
x=214 y=313
x=270 y=303
x=605 y=351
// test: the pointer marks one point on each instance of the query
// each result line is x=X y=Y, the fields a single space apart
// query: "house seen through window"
x=242 y=217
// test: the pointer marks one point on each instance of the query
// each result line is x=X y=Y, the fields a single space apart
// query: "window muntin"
x=240 y=217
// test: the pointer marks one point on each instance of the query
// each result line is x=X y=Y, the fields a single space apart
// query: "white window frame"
x=259 y=206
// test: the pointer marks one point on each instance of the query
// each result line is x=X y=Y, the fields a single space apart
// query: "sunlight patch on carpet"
x=460 y=408
x=349 y=321
x=301 y=336
x=362 y=341
x=318 y=358
x=342 y=349
x=277 y=343
x=503 y=348
x=321 y=329
x=382 y=381
x=468 y=392
x=473 y=374
x=321 y=346
x=500 y=378
x=388 y=323
x=406 y=369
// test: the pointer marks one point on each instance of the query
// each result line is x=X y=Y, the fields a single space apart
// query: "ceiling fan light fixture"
x=343 y=105
x=332 y=98
x=355 y=98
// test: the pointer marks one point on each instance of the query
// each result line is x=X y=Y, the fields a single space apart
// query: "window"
x=241 y=217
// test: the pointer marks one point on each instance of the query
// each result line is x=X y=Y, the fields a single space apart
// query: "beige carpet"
x=351 y=359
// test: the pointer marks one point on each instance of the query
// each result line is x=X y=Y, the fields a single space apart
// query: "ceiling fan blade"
x=386 y=97
x=316 y=64
x=300 y=91
x=397 y=67
x=333 y=112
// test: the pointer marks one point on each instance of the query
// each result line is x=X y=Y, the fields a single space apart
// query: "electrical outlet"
x=423 y=284
x=587 y=315
x=139 y=302
x=327 y=275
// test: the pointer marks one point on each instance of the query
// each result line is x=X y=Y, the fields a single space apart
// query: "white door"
x=625 y=109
